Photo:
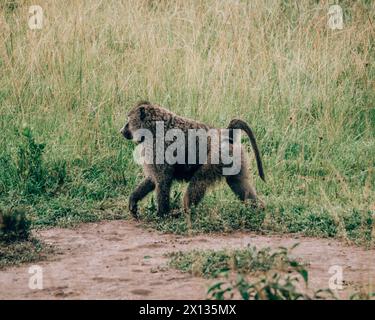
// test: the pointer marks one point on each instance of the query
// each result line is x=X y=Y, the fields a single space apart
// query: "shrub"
x=14 y=225
x=30 y=164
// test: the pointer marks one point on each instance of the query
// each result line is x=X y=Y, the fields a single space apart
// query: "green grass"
x=215 y=215
x=211 y=263
x=307 y=91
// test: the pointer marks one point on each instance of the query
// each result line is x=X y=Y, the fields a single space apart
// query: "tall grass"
x=307 y=91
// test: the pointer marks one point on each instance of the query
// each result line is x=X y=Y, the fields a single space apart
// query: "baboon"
x=200 y=176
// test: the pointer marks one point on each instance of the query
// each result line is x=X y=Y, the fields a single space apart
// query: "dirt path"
x=121 y=260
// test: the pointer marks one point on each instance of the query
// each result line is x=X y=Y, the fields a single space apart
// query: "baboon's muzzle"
x=126 y=132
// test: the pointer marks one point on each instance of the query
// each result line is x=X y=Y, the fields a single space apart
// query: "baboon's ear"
x=142 y=113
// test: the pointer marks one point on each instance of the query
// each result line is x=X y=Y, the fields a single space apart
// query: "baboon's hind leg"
x=241 y=186
x=198 y=185
x=143 y=189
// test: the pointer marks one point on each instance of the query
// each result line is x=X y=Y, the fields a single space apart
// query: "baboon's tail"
x=240 y=124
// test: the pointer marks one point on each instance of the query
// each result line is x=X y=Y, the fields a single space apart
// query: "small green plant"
x=270 y=286
x=278 y=282
x=14 y=225
x=276 y=286
x=35 y=176
x=30 y=164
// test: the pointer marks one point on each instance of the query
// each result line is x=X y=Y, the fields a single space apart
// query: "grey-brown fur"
x=159 y=177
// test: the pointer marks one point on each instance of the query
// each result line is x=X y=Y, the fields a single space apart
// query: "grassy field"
x=307 y=91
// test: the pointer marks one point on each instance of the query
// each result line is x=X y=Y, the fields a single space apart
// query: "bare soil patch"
x=122 y=260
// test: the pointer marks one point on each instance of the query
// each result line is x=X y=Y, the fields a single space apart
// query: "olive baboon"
x=200 y=176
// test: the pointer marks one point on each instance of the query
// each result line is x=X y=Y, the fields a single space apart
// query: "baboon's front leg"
x=194 y=194
x=144 y=188
x=163 y=189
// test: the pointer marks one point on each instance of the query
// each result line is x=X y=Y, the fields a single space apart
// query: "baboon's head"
x=136 y=118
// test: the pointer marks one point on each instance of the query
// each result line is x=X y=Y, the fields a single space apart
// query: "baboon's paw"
x=133 y=208
x=175 y=213
x=259 y=205
x=256 y=204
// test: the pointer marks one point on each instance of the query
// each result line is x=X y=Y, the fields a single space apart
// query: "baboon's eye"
x=142 y=113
